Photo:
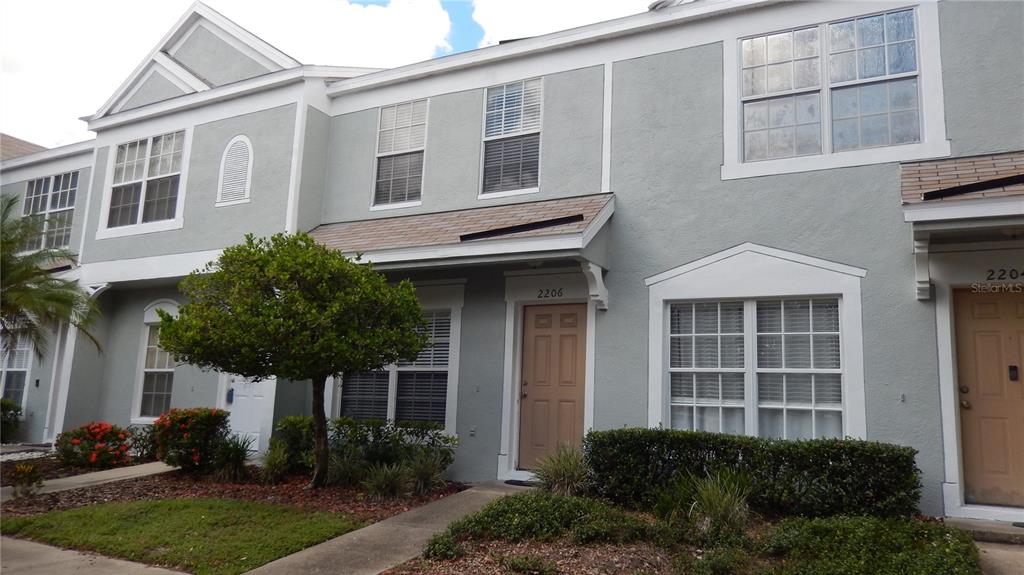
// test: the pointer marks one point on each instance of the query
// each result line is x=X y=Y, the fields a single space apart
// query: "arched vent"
x=235 y=172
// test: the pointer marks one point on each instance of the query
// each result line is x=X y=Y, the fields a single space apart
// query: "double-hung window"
x=147 y=174
x=157 y=376
x=512 y=123
x=831 y=88
x=768 y=367
x=51 y=202
x=14 y=367
x=401 y=138
x=414 y=390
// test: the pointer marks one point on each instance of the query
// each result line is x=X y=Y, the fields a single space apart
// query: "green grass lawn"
x=202 y=536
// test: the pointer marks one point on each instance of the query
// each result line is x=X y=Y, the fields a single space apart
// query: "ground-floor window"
x=157 y=376
x=14 y=369
x=414 y=390
x=767 y=367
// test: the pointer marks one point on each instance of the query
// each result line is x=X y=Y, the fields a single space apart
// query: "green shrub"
x=712 y=508
x=813 y=478
x=232 y=454
x=98 y=444
x=870 y=546
x=722 y=561
x=426 y=473
x=26 y=478
x=189 y=438
x=10 y=418
x=386 y=481
x=275 y=462
x=142 y=444
x=345 y=471
x=542 y=516
x=443 y=546
x=563 y=472
x=295 y=432
x=529 y=565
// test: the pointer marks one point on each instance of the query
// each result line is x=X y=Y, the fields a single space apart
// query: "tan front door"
x=553 y=374
x=990 y=351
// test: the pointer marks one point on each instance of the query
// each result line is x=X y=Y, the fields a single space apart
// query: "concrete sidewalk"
x=383 y=545
x=1001 y=558
x=96 y=478
x=20 y=557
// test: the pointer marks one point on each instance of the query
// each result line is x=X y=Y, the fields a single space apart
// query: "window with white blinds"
x=512 y=123
x=757 y=367
x=860 y=73
x=145 y=182
x=157 y=376
x=14 y=368
x=235 y=172
x=51 y=202
x=420 y=386
x=401 y=140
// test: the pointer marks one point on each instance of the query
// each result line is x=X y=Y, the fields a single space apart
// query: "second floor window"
x=831 y=88
x=401 y=137
x=512 y=122
x=51 y=202
x=146 y=177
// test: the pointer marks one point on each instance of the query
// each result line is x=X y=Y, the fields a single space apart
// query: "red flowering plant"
x=189 y=438
x=97 y=444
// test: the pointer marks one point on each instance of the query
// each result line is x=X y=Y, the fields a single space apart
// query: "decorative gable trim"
x=198 y=14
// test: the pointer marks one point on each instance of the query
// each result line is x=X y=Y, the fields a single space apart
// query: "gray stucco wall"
x=314 y=169
x=207 y=227
x=570 y=150
x=103 y=385
x=983 y=75
x=215 y=61
x=155 y=89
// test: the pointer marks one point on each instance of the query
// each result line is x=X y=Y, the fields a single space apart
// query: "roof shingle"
x=918 y=178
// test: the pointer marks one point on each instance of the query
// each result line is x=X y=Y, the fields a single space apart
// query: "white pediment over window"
x=752 y=270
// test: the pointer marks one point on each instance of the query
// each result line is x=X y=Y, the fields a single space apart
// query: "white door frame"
x=951 y=270
x=524 y=288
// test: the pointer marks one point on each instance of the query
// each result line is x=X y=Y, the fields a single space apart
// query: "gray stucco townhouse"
x=793 y=220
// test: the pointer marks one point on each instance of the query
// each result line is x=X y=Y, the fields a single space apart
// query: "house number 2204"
x=549 y=293
x=1004 y=274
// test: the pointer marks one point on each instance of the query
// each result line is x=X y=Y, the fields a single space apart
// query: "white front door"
x=251 y=404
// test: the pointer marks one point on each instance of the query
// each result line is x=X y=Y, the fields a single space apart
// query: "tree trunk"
x=319 y=434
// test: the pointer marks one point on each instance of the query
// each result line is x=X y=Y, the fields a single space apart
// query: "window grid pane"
x=403 y=127
x=781 y=62
x=365 y=395
x=799 y=334
x=399 y=178
x=511 y=163
x=513 y=108
x=422 y=396
x=706 y=365
x=124 y=205
x=161 y=199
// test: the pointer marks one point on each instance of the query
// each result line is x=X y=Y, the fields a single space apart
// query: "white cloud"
x=506 y=20
x=61 y=59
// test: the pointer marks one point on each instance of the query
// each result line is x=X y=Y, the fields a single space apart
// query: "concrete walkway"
x=21 y=557
x=388 y=543
x=1001 y=558
x=95 y=478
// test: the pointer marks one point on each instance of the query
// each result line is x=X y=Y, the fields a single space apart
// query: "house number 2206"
x=549 y=293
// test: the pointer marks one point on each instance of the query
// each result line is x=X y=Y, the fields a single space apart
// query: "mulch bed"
x=604 y=559
x=175 y=484
x=49 y=465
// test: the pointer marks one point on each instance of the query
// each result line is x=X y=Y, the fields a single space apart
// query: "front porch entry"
x=251 y=405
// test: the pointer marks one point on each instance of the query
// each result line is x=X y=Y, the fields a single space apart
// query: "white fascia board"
x=600 y=31
x=475 y=261
x=964 y=209
x=76 y=149
x=476 y=249
x=756 y=248
x=180 y=72
x=147 y=268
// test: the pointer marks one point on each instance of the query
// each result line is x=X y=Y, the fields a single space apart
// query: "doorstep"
x=991 y=531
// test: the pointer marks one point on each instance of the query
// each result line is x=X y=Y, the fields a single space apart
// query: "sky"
x=61 y=59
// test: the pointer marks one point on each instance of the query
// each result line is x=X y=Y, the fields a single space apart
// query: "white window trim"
x=103 y=232
x=750 y=272
x=484 y=138
x=28 y=378
x=220 y=174
x=378 y=155
x=149 y=318
x=434 y=296
x=933 y=142
x=48 y=212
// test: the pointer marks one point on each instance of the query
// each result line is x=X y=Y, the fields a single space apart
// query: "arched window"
x=235 y=172
x=155 y=380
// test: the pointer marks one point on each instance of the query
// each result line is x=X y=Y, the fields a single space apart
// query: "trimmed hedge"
x=811 y=478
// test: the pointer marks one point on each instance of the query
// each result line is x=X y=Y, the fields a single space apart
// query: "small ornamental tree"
x=290 y=308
